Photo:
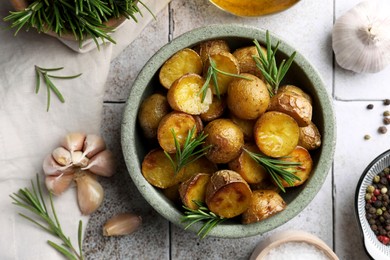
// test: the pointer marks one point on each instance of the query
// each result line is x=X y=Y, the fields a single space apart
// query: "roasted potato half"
x=264 y=203
x=177 y=122
x=185 y=95
x=202 y=164
x=276 y=134
x=309 y=137
x=216 y=109
x=294 y=105
x=194 y=189
x=302 y=156
x=227 y=194
x=183 y=62
x=245 y=125
x=225 y=138
x=246 y=62
x=150 y=113
x=247 y=98
x=296 y=90
x=210 y=47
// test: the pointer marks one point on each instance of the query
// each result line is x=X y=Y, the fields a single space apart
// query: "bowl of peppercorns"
x=372 y=206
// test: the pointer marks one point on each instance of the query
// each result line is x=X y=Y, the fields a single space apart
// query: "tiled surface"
x=307 y=26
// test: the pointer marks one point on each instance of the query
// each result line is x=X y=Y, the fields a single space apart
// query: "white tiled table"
x=307 y=26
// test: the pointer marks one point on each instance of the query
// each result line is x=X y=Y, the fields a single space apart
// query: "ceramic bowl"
x=303 y=74
x=376 y=249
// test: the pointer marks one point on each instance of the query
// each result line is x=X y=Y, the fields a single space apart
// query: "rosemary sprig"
x=278 y=169
x=189 y=152
x=32 y=200
x=201 y=214
x=268 y=67
x=43 y=72
x=212 y=72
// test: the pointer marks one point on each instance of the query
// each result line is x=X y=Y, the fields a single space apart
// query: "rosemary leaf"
x=62 y=250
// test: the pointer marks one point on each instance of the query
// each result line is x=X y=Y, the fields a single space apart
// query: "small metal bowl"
x=373 y=247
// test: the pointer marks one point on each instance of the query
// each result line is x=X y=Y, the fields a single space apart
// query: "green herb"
x=42 y=72
x=32 y=200
x=212 y=74
x=278 y=169
x=189 y=152
x=267 y=65
x=201 y=214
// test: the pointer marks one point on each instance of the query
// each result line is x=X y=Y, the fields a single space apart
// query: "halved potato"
x=296 y=90
x=185 y=95
x=251 y=171
x=180 y=124
x=226 y=62
x=302 y=156
x=264 y=203
x=294 y=105
x=247 y=99
x=202 y=164
x=276 y=134
x=150 y=113
x=183 y=62
x=194 y=189
x=227 y=194
x=210 y=47
x=246 y=62
x=309 y=137
x=216 y=109
x=245 y=125
x=266 y=184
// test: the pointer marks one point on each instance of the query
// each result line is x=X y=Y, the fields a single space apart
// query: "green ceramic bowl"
x=301 y=74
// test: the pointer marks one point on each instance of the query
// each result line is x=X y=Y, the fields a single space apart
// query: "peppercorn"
x=374 y=227
x=377 y=192
x=378 y=204
x=386 y=170
x=377 y=179
x=379 y=212
x=367 y=137
x=384 y=189
x=386 y=113
x=382 y=130
x=386 y=120
x=370 y=189
x=368 y=196
x=386 y=102
x=372 y=210
x=370 y=106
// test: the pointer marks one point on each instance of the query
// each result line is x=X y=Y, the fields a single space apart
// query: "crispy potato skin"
x=246 y=62
x=264 y=203
x=296 y=90
x=151 y=111
x=246 y=126
x=194 y=189
x=210 y=47
x=309 y=137
x=225 y=138
x=181 y=123
x=216 y=109
x=294 y=105
x=183 y=62
x=250 y=171
x=303 y=171
x=227 y=194
x=248 y=99
x=276 y=134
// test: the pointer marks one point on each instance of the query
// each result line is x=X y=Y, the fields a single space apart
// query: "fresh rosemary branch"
x=278 y=169
x=43 y=72
x=212 y=72
x=189 y=152
x=201 y=214
x=268 y=67
x=32 y=200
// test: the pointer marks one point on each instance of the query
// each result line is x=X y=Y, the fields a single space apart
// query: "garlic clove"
x=93 y=144
x=73 y=141
x=79 y=160
x=51 y=167
x=90 y=193
x=122 y=224
x=62 y=156
x=102 y=164
x=58 y=184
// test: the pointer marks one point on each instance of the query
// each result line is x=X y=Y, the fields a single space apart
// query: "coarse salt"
x=296 y=251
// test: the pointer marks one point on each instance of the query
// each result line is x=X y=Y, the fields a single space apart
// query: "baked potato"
x=194 y=189
x=309 y=137
x=210 y=47
x=216 y=109
x=202 y=165
x=302 y=156
x=296 y=90
x=246 y=62
x=246 y=126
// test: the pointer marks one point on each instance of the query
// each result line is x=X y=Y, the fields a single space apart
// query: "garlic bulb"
x=90 y=193
x=361 y=37
x=122 y=224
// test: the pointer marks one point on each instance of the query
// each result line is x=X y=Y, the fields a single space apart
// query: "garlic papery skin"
x=102 y=164
x=361 y=37
x=79 y=160
x=90 y=193
x=62 y=156
x=73 y=142
x=122 y=224
x=51 y=167
x=58 y=184
x=93 y=144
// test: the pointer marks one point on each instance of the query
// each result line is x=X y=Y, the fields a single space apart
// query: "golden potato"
x=225 y=138
x=302 y=156
x=309 y=137
x=180 y=124
x=210 y=47
x=266 y=184
x=247 y=99
x=245 y=125
x=194 y=189
x=226 y=62
x=227 y=194
x=202 y=165
x=293 y=105
x=185 y=95
x=276 y=134
x=150 y=113
x=251 y=171
x=296 y=90
x=183 y=62
x=246 y=62
x=216 y=109
x=264 y=203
